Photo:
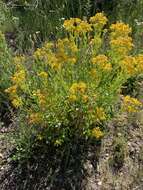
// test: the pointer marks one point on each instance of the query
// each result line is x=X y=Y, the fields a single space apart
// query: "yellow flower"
x=61 y=57
x=66 y=41
x=72 y=98
x=128 y=64
x=100 y=114
x=107 y=67
x=131 y=104
x=53 y=61
x=78 y=87
x=43 y=74
x=48 y=45
x=39 y=54
x=85 y=98
x=83 y=27
x=19 y=77
x=99 y=20
x=73 y=88
x=56 y=66
x=122 y=45
x=134 y=101
x=99 y=59
x=121 y=41
x=35 y=118
x=73 y=47
x=97 y=133
x=71 y=24
x=11 y=90
x=60 y=45
x=93 y=73
x=120 y=29
x=18 y=60
x=17 y=102
x=77 y=26
x=82 y=87
x=72 y=60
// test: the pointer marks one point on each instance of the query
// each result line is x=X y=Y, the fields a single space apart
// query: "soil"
x=83 y=170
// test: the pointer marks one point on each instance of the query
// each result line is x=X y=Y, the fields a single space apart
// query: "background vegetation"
x=37 y=20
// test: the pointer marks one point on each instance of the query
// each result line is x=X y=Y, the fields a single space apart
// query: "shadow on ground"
x=52 y=169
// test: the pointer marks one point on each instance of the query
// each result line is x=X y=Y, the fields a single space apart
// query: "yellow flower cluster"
x=72 y=98
x=72 y=60
x=131 y=104
x=64 y=51
x=101 y=61
x=78 y=87
x=35 y=118
x=19 y=77
x=18 y=80
x=17 y=102
x=77 y=26
x=120 y=41
x=19 y=60
x=120 y=29
x=76 y=90
x=122 y=45
x=71 y=24
x=54 y=62
x=48 y=57
x=61 y=53
x=97 y=133
x=39 y=54
x=100 y=114
x=73 y=47
x=97 y=114
x=43 y=52
x=132 y=65
x=11 y=90
x=99 y=20
x=93 y=73
x=128 y=64
x=15 y=99
x=43 y=75
x=83 y=27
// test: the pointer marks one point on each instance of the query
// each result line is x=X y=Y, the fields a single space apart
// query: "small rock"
x=100 y=183
x=1 y=156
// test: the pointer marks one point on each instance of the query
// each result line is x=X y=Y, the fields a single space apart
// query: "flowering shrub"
x=131 y=105
x=70 y=87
